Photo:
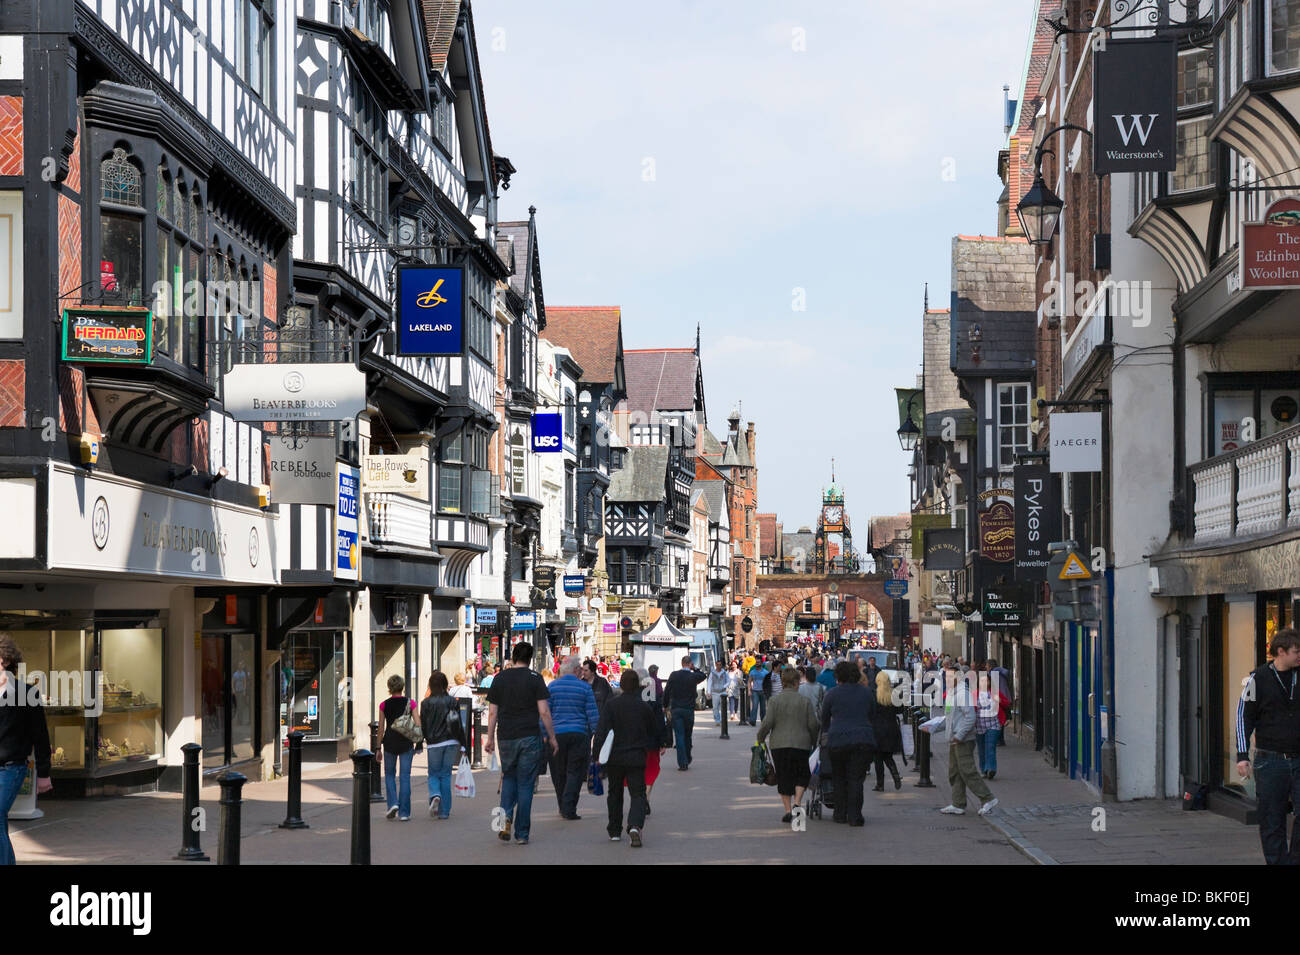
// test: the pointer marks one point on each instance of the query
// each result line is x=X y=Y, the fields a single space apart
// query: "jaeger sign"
x=1133 y=102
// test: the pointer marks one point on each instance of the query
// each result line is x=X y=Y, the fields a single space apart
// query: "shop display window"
x=131 y=679
x=314 y=685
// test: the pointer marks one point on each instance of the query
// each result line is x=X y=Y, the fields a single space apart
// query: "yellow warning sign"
x=1074 y=569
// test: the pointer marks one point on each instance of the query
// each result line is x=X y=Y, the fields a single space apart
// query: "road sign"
x=1074 y=569
x=895 y=588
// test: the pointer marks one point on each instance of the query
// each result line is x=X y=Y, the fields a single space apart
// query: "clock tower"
x=834 y=542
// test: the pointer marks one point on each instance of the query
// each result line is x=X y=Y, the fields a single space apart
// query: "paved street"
x=710 y=815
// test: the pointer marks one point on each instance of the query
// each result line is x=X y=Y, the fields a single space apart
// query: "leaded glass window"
x=119 y=179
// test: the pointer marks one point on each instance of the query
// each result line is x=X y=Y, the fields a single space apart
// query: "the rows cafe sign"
x=1270 y=250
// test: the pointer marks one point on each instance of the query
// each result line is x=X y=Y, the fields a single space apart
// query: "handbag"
x=757 y=764
x=594 y=785
x=464 y=784
x=606 y=748
x=770 y=778
x=408 y=727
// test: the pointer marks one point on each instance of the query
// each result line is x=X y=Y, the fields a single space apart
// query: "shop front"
x=491 y=623
x=230 y=659
x=313 y=635
x=394 y=643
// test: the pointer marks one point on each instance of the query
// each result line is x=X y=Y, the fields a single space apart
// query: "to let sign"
x=1270 y=250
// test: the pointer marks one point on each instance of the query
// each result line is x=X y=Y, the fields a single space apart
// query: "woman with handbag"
x=791 y=721
x=889 y=738
x=444 y=741
x=632 y=722
x=398 y=746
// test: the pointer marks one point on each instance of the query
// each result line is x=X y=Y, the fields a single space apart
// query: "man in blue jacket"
x=575 y=716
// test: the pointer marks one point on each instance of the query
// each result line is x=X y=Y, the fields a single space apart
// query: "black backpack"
x=767 y=684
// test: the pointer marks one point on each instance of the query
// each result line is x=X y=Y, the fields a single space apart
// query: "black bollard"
x=923 y=760
x=744 y=703
x=191 y=826
x=293 y=818
x=478 y=739
x=232 y=785
x=726 y=711
x=361 y=761
x=376 y=789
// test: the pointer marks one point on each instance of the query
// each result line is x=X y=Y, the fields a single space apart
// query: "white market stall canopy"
x=663 y=632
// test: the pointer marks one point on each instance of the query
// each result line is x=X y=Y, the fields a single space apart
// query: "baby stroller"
x=820 y=791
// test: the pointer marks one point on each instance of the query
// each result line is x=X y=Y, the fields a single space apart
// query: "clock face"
x=834 y=515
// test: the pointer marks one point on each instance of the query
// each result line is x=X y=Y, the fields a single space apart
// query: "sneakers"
x=504 y=834
x=635 y=836
x=403 y=818
x=988 y=806
x=392 y=812
x=953 y=810
x=521 y=842
x=435 y=806
x=615 y=838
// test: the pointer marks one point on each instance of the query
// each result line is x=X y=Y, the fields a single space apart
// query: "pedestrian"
x=575 y=717
x=848 y=737
x=649 y=681
x=792 y=724
x=631 y=720
x=1269 y=711
x=599 y=685
x=719 y=683
x=398 y=750
x=518 y=698
x=758 y=677
x=992 y=705
x=959 y=724
x=444 y=741
x=22 y=733
x=810 y=688
x=884 y=726
x=736 y=680
x=827 y=675
x=679 y=701
x=772 y=683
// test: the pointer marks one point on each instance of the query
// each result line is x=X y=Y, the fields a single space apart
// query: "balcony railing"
x=1253 y=490
x=399 y=520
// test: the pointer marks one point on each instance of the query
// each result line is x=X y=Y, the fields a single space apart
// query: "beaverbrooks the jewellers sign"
x=1270 y=250
x=1135 y=117
x=326 y=391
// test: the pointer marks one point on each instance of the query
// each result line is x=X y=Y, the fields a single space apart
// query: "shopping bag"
x=493 y=763
x=909 y=742
x=594 y=785
x=464 y=784
x=606 y=748
x=814 y=759
x=934 y=725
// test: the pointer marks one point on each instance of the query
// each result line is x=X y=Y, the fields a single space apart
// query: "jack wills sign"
x=1133 y=107
x=945 y=548
x=1038 y=520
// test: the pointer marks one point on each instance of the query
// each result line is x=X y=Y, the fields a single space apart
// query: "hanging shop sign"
x=347 y=540
x=485 y=615
x=321 y=391
x=992 y=493
x=1270 y=250
x=574 y=583
x=945 y=548
x=1038 y=520
x=544 y=578
x=998 y=533
x=524 y=620
x=1004 y=609
x=609 y=628
x=430 y=310
x=923 y=522
x=1136 y=122
x=396 y=474
x=121 y=336
x=302 y=469
x=895 y=588
x=547 y=430
x=1076 y=442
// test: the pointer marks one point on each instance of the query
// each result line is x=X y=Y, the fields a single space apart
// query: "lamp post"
x=908 y=433
x=1039 y=211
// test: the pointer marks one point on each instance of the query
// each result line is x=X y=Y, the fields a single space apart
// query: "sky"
x=787 y=175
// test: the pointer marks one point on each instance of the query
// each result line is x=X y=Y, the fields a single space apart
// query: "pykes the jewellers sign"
x=1133 y=105
x=333 y=391
x=1038 y=520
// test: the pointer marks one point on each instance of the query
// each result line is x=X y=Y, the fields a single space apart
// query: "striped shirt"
x=573 y=706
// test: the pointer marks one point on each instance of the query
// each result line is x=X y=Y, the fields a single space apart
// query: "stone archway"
x=782 y=593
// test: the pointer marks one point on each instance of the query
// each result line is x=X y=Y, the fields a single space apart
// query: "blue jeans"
x=758 y=707
x=520 y=761
x=1277 y=780
x=442 y=760
x=987 y=748
x=719 y=707
x=11 y=780
x=399 y=798
x=683 y=725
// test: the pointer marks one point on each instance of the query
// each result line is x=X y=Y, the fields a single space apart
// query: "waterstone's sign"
x=1136 y=120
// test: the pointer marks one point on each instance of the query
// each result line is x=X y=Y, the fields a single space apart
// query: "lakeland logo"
x=430 y=328
x=431 y=299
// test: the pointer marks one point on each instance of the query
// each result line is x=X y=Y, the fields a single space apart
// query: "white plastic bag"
x=464 y=784
x=814 y=759
x=908 y=740
x=606 y=748
x=493 y=763
x=934 y=725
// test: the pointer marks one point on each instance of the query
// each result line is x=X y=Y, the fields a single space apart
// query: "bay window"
x=451 y=460
x=1282 y=35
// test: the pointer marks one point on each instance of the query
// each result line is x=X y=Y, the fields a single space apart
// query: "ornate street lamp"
x=908 y=433
x=1039 y=211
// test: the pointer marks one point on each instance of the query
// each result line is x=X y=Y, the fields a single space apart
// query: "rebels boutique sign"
x=1135 y=117
x=1038 y=520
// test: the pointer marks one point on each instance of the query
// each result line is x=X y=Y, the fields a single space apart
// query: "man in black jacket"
x=679 y=700
x=22 y=733
x=599 y=685
x=1270 y=711
x=632 y=722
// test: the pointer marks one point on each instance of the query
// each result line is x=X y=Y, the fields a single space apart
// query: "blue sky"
x=714 y=162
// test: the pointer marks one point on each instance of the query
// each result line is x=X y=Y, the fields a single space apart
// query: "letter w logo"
x=1136 y=126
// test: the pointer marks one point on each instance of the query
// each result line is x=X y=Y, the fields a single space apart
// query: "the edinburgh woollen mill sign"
x=1270 y=250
